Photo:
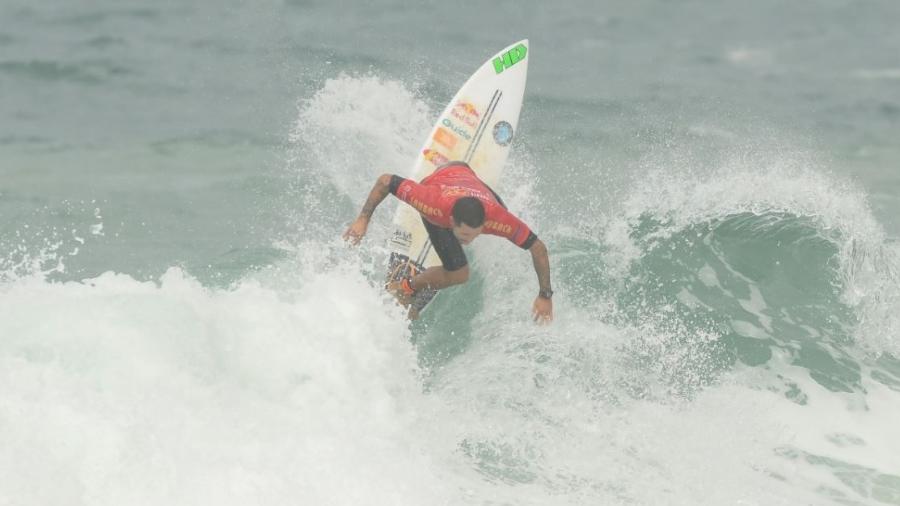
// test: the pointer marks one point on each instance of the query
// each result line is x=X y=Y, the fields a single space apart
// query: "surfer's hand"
x=542 y=310
x=356 y=230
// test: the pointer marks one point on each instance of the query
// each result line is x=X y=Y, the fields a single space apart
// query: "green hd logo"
x=510 y=58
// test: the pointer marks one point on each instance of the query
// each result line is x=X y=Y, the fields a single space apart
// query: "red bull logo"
x=467 y=113
x=435 y=157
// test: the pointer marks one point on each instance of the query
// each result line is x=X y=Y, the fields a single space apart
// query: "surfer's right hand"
x=356 y=230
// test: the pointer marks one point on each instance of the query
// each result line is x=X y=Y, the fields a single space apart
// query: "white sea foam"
x=356 y=128
x=562 y=414
x=123 y=392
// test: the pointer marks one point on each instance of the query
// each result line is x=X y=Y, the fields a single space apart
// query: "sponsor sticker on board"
x=466 y=113
x=435 y=157
x=510 y=58
x=503 y=133
x=456 y=129
x=442 y=136
x=401 y=238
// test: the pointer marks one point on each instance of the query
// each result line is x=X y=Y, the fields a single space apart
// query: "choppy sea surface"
x=718 y=184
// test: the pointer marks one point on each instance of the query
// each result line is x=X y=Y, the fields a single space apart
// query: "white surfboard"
x=478 y=127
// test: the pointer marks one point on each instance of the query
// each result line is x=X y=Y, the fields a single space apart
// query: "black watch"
x=546 y=294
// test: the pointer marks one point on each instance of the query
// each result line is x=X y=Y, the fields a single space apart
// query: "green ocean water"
x=718 y=185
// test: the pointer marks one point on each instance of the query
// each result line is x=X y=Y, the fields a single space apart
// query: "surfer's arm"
x=507 y=225
x=383 y=186
x=541 y=260
x=379 y=192
x=543 y=306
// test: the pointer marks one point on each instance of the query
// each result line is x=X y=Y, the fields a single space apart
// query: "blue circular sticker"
x=503 y=133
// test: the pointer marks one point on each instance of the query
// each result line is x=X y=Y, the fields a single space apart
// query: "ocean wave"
x=802 y=237
x=710 y=347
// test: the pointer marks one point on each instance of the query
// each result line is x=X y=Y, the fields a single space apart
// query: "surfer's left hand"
x=542 y=310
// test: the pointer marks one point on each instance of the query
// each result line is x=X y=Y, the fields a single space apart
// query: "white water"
x=121 y=392
x=300 y=386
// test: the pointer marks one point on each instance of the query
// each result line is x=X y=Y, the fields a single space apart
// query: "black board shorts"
x=447 y=246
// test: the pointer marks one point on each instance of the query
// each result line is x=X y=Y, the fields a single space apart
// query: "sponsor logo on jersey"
x=455 y=191
x=426 y=209
x=500 y=228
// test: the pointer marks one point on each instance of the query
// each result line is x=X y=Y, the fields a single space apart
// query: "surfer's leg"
x=433 y=278
x=454 y=268
x=438 y=277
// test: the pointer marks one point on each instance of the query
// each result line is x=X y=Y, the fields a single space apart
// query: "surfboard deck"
x=477 y=127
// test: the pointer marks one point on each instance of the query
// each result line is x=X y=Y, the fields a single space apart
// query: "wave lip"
x=783 y=205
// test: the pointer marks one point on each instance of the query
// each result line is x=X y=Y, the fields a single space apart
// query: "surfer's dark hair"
x=468 y=211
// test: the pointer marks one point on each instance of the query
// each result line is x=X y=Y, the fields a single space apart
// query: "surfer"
x=456 y=207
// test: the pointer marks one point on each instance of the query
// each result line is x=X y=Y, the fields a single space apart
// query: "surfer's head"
x=468 y=219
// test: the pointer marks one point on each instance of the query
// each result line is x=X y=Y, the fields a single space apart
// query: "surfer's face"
x=465 y=233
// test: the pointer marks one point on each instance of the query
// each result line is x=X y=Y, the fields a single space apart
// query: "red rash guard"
x=435 y=195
